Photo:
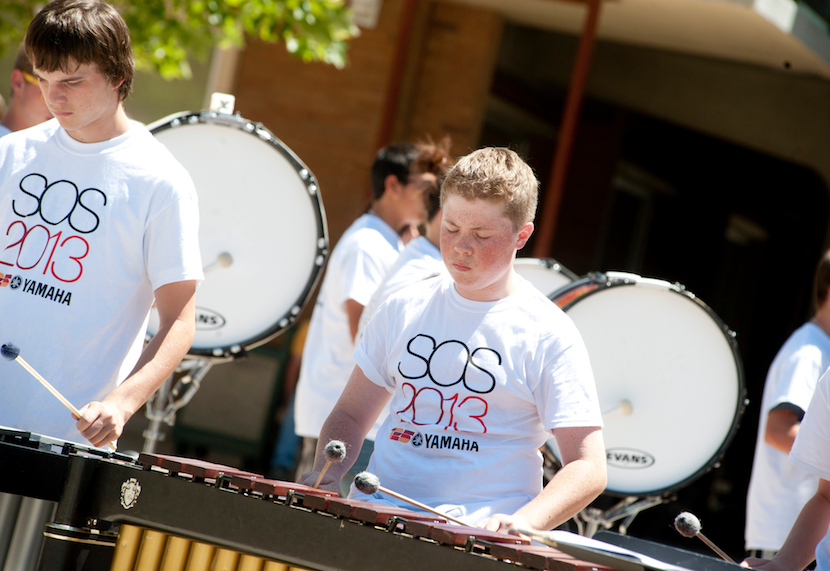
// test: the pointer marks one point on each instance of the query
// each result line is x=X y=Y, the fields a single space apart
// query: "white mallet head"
x=687 y=524
x=367 y=483
x=335 y=451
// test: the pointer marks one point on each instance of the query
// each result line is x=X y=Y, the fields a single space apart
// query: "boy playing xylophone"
x=481 y=368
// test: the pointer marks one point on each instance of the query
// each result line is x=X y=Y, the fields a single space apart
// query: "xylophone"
x=121 y=513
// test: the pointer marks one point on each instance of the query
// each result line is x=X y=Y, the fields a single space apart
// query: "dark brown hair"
x=394 y=159
x=76 y=32
x=433 y=158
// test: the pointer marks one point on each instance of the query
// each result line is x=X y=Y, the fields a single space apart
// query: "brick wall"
x=333 y=118
x=453 y=74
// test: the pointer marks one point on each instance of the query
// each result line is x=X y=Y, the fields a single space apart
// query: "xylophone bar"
x=456 y=535
x=365 y=511
x=197 y=468
x=540 y=557
x=275 y=488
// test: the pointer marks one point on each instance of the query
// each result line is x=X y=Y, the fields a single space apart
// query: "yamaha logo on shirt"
x=439 y=442
x=46 y=291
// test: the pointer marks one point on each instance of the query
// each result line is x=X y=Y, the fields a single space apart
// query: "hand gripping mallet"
x=335 y=452
x=369 y=484
x=11 y=352
x=689 y=526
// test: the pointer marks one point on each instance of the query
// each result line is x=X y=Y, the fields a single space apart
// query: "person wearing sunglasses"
x=26 y=107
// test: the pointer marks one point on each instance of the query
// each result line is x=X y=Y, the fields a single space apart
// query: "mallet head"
x=9 y=351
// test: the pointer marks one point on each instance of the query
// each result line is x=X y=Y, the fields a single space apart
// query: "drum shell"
x=658 y=348
x=263 y=234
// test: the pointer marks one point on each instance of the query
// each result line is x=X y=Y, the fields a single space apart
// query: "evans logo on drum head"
x=629 y=458
x=207 y=320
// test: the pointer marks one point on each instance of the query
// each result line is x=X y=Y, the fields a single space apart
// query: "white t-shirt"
x=811 y=451
x=777 y=488
x=418 y=261
x=87 y=233
x=4 y=130
x=357 y=265
x=476 y=389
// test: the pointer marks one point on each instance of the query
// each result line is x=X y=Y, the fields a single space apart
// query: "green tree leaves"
x=166 y=34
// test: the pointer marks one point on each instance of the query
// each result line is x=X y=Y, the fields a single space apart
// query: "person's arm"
x=809 y=528
x=353 y=310
x=351 y=419
x=782 y=427
x=103 y=422
x=581 y=479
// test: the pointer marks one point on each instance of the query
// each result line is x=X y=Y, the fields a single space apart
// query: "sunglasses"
x=29 y=78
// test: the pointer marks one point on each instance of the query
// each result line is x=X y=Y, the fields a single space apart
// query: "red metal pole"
x=547 y=221
x=396 y=77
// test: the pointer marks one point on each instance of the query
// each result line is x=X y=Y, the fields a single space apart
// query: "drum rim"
x=549 y=263
x=607 y=280
x=290 y=316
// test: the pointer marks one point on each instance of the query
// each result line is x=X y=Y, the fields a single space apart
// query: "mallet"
x=369 y=484
x=11 y=352
x=335 y=452
x=688 y=525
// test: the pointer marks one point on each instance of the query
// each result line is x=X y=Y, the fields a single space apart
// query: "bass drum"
x=262 y=231
x=546 y=274
x=668 y=375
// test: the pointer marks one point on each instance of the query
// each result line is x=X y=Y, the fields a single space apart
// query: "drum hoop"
x=313 y=190
x=551 y=264
x=598 y=281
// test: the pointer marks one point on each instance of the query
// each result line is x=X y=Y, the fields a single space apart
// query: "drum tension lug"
x=240 y=353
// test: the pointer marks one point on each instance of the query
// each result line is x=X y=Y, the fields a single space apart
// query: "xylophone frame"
x=216 y=508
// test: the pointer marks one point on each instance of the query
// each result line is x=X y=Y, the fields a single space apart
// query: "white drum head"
x=546 y=274
x=262 y=229
x=668 y=375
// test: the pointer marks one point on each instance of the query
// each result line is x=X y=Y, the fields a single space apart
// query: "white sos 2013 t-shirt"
x=87 y=233
x=476 y=389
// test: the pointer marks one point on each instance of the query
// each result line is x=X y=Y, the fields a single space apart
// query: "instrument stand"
x=589 y=520
x=163 y=405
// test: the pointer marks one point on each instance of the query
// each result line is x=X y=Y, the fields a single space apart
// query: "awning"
x=780 y=34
